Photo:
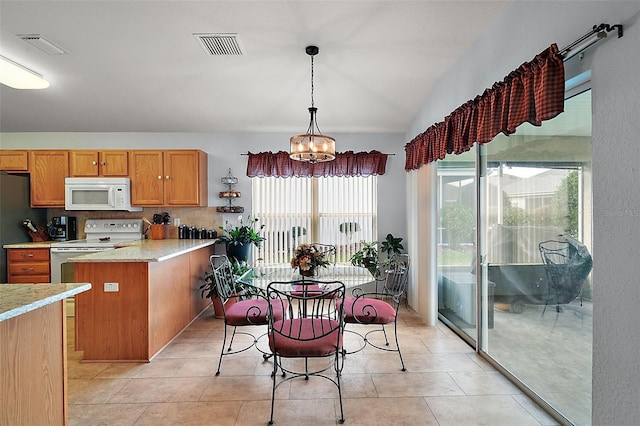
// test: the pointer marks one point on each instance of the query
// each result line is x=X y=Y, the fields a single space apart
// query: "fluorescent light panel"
x=17 y=76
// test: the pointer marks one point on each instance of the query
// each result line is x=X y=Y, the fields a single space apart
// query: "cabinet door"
x=48 y=170
x=183 y=178
x=147 y=178
x=14 y=161
x=83 y=163
x=114 y=163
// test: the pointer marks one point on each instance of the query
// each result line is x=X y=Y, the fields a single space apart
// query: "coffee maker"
x=63 y=228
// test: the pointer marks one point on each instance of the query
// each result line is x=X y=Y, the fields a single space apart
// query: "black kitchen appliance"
x=63 y=228
x=14 y=208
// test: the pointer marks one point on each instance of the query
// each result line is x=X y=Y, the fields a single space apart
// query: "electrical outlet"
x=111 y=287
x=176 y=221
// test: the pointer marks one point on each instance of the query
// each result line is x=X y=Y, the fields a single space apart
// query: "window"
x=329 y=210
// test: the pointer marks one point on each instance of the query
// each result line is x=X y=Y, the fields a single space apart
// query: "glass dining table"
x=351 y=276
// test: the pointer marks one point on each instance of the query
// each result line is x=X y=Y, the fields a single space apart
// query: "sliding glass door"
x=515 y=223
x=535 y=246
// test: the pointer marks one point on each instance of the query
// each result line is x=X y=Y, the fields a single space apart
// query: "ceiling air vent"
x=219 y=44
x=47 y=46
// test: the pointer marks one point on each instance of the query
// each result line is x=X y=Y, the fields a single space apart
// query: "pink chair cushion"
x=252 y=312
x=366 y=310
x=305 y=337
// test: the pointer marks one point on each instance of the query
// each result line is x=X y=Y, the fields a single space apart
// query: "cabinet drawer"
x=28 y=255
x=29 y=279
x=28 y=268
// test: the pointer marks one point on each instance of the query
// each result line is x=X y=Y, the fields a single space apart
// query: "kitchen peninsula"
x=33 y=353
x=143 y=295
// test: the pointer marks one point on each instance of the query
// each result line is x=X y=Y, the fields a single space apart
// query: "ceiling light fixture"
x=14 y=75
x=313 y=146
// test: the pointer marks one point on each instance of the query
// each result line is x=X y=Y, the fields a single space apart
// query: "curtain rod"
x=598 y=33
x=246 y=153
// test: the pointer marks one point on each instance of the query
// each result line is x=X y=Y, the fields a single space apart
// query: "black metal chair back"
x=567 y=265
x=312 y=328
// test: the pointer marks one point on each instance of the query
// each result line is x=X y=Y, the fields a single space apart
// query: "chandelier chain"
x=312 y=104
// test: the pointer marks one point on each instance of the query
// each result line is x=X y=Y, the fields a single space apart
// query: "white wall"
x=225 y=151
x=525 y=30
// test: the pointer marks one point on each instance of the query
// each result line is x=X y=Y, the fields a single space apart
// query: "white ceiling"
x=134 y=66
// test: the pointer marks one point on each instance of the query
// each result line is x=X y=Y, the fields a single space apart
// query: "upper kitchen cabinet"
x=48 y=170
x=169 y=178
x=14 y=161
x=85 y=163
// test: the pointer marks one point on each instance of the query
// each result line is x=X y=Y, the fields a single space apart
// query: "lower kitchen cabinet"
x=28 y=266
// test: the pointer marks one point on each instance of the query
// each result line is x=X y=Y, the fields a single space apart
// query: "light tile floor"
x=446 y=383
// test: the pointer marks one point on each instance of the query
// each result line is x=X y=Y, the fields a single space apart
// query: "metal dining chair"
x=249 y=308
x=312 y=329
x=380 y=308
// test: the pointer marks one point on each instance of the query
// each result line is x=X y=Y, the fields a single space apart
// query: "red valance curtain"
x=534 y=92
x=347 y=163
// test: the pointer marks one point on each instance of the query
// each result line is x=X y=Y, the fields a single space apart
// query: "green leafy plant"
x=208 y=289
x=243 y=233
x=459 y=222
x=391 y=246
x=369 y=255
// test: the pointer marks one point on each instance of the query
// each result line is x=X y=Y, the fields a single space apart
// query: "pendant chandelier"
x=313 y=146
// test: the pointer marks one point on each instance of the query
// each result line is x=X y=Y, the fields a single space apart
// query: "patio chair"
x=378 y=309
x=248 y=308
x=312 y=330
x=567 y=265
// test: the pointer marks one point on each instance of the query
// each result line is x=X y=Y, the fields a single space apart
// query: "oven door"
x=61 y=270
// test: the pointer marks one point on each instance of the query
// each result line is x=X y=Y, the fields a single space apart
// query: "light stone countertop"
x=30 y=245
x=145 y=251
x=18 y=299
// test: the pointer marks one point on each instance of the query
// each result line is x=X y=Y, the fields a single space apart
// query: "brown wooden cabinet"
x=48 y=170
x=169 y=178
x=28 y=265
x=84 y=163
x=14 y=161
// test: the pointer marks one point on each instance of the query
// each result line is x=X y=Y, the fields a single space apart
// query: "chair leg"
x=395 y=332
x=232 y=337
x=224 y=343
x=273 y=389
x=339 y=363
x=384 y=331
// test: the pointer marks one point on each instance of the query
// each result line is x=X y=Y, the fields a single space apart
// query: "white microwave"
x=98 y=194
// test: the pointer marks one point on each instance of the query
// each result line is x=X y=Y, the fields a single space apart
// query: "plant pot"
x=240 y=252
x=218 y=312
x=310 y=273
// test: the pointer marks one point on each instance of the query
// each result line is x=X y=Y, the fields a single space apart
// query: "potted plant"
x=240 y=238
x=391 y=246
x=369 y=255
x=307 y=258
x=209 y=290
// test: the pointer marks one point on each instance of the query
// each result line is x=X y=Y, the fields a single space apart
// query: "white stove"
x=104 y=234
x=101 y=234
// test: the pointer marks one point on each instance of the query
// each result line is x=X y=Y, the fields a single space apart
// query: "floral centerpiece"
x=307 y=258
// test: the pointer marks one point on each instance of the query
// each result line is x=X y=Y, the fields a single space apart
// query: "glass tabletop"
x=350 y=276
